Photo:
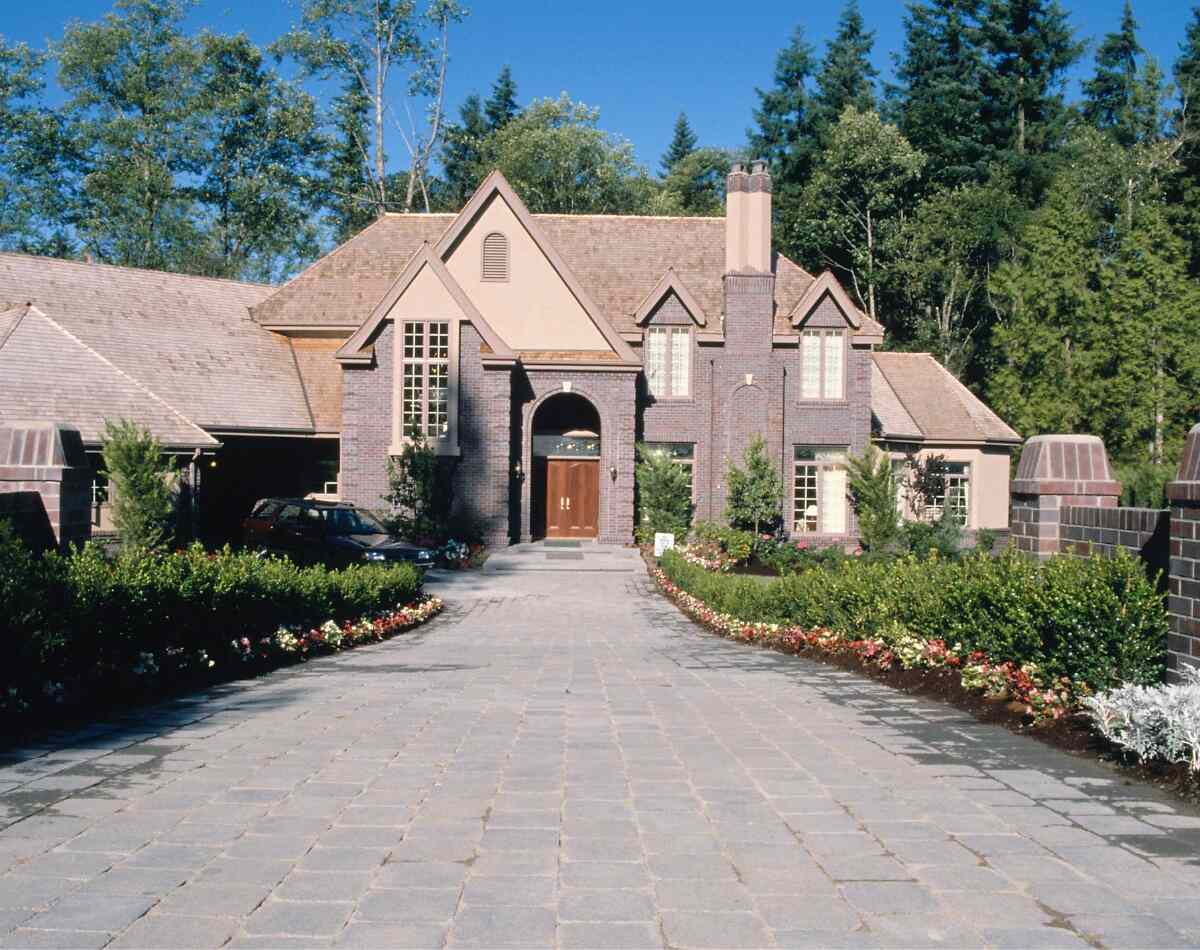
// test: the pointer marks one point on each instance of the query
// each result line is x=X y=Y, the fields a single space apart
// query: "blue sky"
x=640 y=63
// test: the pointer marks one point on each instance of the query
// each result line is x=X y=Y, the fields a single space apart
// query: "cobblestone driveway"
x=562 y=759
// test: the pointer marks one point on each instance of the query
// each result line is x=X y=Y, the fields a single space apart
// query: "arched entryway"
x=565 y=488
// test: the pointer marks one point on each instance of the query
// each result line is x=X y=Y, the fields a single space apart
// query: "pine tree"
x=846 y=77
x=683 y=143
x=1184 y=197
x=1116 y=99
x=462 y=154
x=1047 y=303
x=784 y=135
x=939 y=98
x=501 y=107
x=1030 y=46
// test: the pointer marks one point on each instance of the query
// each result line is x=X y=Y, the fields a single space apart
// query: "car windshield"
x=351 y=521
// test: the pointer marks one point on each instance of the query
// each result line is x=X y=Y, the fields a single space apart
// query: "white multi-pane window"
x=957 y=496
x=425 y=395
x=819 y=490
x=682 y=454
x=668 y=361
x=822 y=364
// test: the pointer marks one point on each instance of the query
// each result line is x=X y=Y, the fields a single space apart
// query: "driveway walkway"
x=563 y=759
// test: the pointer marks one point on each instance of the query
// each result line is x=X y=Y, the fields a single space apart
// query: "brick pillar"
x=1183 y=494
x=1056 y=472
x=46 y=483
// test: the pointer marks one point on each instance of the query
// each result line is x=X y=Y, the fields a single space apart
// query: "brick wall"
x=367 y=426
x=1142 y=532
x=1183 y=602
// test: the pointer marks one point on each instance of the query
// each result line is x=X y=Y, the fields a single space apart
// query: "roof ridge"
x=106 y=361
x=134 y=270
x=640 y=217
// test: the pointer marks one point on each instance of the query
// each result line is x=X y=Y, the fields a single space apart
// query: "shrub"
x=664 y=501
x=1098 y=621
x=420 y=493
x=923 y=537
x=755 y=492
x=1144 y=484
x=873 y=495
x=86 y=619
x=143 y=508
x=1152 y=722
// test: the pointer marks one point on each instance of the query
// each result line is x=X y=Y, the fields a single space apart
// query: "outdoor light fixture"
x=612 y=472
x=518 y=472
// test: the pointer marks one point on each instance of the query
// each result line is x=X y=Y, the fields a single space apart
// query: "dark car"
x=325 y=532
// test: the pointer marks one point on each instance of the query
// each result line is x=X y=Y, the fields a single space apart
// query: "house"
x=532 y=351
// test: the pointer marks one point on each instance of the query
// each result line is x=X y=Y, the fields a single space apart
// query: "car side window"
x=290 y=514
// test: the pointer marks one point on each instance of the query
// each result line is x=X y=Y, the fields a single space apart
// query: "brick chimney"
x=748 y=220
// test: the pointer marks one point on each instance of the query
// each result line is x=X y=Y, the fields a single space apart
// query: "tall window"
x=668 y=361
x=819 y=490
x=958 y=493
x=682 y=454
x=425 y=397
x=822 y=364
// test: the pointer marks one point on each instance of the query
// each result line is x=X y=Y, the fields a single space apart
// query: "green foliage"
x=140 y=479
x=852 y=209
x=683 y=143
x=873 y=495
x=1144 y=484
x=1099 y=621
x=462 y=154
x=846 y=77
x=664 y=500
x=1123 y=96
x=85 y=618
x=696 y=184
x=943 y=536
x=501 y=107
x=754 y=492
x=419 y=491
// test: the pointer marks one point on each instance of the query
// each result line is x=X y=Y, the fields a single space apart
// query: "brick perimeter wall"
x=1140 y=531
x=1183 y=600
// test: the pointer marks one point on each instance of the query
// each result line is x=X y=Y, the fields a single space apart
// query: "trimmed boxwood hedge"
x=1099 y=621
x=65 y=617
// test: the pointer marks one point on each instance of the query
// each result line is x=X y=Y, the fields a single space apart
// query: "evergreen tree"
x=349 y=199
x=463 y=152
x=501 y=107
x=846 y=77
x=696 y=184
x=939 y=98
x=1047 y=302
x=683 y=143
x=784 y=134
x=1121 y=98
x=1184 y=197
x=1148 y=370
x=1030 y=46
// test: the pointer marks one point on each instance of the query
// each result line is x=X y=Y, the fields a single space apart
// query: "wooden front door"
x=572 y=498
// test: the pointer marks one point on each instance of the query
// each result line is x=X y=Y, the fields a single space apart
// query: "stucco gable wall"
x=426 y=299
x=532 y=310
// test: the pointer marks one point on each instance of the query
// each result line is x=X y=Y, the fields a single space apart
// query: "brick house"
x=534 y=351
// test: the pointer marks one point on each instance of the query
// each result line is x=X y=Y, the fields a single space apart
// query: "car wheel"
x=262 y=552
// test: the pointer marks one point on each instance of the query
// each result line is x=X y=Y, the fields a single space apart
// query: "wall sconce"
x=518 y=472
x=612 y=473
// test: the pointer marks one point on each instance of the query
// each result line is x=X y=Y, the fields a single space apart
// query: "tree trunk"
x=870 y=265
x=1021 y=115
x=380 y=178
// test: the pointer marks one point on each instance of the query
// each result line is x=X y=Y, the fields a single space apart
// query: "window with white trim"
x=957 y=496
x=819 y=489
x=668 y=361
x=425 y=392
x=822 y=364
x=495 y=257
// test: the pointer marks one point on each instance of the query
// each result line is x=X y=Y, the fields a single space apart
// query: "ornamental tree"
x=140 y=476
x=755 y=492
x=664 y=501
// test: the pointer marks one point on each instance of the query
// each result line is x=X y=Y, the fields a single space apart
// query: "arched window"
x=495 y=257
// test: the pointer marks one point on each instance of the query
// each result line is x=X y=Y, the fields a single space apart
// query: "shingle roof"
x=190 y=340
x=913 y=395
x=86 y=388
x=617 y=258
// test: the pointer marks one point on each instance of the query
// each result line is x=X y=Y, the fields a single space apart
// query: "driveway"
x=563 y=760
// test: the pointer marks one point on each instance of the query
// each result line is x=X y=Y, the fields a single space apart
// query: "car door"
x=287 y=538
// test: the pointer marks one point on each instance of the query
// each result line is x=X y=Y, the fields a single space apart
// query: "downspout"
x=783 y=451
x=712 y=435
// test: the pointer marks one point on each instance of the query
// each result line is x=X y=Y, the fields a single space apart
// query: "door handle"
x=568 y=504
x=561 y=503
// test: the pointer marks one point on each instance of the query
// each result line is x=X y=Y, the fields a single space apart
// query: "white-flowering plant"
x=1152 y=722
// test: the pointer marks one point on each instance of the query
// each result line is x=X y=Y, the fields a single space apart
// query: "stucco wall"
x=989 y=498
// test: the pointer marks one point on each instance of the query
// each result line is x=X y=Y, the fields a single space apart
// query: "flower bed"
x=86 y=630
x=897 y=649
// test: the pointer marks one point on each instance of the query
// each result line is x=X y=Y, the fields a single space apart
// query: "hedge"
x=1098 y=621
x=86 y=618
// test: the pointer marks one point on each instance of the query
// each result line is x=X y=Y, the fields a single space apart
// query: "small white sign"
x=566 y=385
x=663 y=542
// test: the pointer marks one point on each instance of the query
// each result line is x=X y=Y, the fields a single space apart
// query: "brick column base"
x=1183 y=604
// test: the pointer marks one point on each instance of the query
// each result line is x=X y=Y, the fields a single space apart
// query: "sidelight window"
x=819 y=490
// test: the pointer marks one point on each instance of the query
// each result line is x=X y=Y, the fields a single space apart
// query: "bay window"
x=819 y=490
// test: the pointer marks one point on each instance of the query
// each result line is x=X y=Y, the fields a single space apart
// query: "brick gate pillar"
x=45 y=483
x=1183 y=604
x=1056 y=472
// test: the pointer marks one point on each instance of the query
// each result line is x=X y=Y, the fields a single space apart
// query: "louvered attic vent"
x=495 y=257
